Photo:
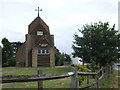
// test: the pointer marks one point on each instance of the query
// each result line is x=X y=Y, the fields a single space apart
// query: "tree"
x=99 y=43
x=67 y=59
x=62 y=59
x=16 y=46
x=7 y=53
x=59 y=59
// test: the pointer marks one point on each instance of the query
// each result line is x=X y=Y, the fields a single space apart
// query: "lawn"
x=57 y=83
x=112 y=81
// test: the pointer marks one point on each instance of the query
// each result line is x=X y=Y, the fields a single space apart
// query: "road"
x=115 y=66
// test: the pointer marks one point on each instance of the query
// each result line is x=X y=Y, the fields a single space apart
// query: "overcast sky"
x=64 y=17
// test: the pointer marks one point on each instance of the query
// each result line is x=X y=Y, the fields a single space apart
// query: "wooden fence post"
x=99 y=76
x=40 y=83
x=118 y=75
x=87 y=79
x=105 y=73
x=97 y=79
x=109 y=71
x=74 y=79
x=111 y=68
x=103 y=79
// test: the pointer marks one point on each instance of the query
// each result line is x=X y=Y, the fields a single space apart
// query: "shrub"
x=82 y=68
x=94 y=66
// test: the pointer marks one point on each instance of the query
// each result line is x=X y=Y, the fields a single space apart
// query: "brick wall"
x=34 y=57
x=52 y=57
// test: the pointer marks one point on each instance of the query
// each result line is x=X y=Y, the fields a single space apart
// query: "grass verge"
x=112 y=81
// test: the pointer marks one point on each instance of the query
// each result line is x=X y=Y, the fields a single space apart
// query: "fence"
x=100 y=77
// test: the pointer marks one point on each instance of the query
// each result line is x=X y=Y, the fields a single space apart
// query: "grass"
x=112 y=81
x=56 y=83
x=9 y=68
x=30 y=71
x=91 y=80
x=115 y=81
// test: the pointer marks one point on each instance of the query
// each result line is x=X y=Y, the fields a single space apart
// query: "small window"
x=39 y=51
x=43 y=51
x=47 y=51
x=39 y=33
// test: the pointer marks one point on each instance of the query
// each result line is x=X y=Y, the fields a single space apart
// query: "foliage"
x=67 y=59
x=99 y=43
x=82 y=68
x=62 y=59
x=11 y=61
x=16 y=45
x=94 y=66
x=7 y=53
x=59 y=59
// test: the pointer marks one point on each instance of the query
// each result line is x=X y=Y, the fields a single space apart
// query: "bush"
x=94 y=66
x=11 y=61
x=82 y=68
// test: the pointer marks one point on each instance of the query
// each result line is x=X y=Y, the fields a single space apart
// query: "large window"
x=43 y=51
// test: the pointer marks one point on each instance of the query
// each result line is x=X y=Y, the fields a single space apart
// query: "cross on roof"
x=38 y=10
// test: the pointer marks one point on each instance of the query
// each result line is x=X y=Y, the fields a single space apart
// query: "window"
x=43 y=51
x=47 y=51
x=39 y=51
x=39 y=33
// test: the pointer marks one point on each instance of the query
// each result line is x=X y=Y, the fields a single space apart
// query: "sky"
x=64 y=18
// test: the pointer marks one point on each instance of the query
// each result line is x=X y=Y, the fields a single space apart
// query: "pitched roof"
x=38 y=21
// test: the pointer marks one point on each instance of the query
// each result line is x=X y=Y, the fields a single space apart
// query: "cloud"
x=63 y=17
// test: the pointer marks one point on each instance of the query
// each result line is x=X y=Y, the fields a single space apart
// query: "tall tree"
x=59 y=59
x=99 y=43
x=67 y=59
x=62 y=59
x=7 y=53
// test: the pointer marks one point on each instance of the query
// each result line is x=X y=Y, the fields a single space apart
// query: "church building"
x=38 y=50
